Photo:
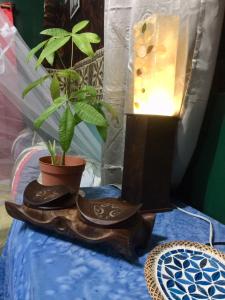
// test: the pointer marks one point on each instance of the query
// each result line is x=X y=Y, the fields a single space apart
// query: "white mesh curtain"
x=205 y=22
x=15 y=75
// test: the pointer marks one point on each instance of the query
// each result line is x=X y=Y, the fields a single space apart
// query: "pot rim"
x=81 y=163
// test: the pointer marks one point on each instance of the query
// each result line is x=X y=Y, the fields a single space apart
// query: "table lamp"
x=159 y=68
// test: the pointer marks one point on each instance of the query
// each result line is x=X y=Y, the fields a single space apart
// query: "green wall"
x=29 y=19
x=204 y=183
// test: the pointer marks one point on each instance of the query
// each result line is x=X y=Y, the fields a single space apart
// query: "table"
x=39 y=266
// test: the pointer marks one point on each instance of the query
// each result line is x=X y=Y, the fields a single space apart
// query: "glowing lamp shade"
x=160 y=58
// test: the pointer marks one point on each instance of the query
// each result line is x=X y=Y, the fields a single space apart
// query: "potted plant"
x=74 y=104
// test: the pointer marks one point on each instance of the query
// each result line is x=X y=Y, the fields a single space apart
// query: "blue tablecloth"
x=39 y=266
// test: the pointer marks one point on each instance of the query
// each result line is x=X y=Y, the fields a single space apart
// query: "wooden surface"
x=117 y=223
x=106 y=211
x=148 y=156
x=124 y=237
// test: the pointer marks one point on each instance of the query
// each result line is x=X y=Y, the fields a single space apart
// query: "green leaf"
x=49 y=111
x=55 y=88
x=91 y=37
x=35 y=49
x=83 y=44
x=68 y=73
x=90 y=90
x=77 y=27
x=102 y=132
x=84 y=92
x=52 y=46
x=89 y=114
x=79 y=95
x=66 y=129
x=52 y=150
x=34 y=84
x=56 y=32
x=50 y=58
x=77 y=120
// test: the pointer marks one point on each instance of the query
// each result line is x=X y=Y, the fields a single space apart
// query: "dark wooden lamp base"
x=148 y=157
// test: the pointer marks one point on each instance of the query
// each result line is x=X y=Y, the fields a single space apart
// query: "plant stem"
x=71 y=61
x=61 y=60
x=63 y=158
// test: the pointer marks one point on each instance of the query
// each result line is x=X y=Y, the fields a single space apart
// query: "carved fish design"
x=106 y=211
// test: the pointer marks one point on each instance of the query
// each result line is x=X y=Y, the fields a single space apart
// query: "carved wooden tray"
x=107 y=211
x=123 y=237
x=114 y=222
x=39 y=196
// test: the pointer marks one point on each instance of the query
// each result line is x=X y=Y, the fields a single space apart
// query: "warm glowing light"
x=160 y=103
x=160 y=57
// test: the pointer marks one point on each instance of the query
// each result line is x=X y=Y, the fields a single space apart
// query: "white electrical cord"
x=211 y=230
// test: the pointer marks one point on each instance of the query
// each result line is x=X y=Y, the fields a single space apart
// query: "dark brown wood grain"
x=53 y=14
x=48 y=197
x=112 y=221
x=148 y=157
x=124 y=237
x=106 y=211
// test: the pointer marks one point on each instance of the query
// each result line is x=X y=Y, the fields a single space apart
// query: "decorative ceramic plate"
x=185 y=271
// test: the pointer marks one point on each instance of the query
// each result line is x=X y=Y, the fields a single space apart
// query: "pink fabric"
x=11 y=120
x=19 y=169
x=7 y=7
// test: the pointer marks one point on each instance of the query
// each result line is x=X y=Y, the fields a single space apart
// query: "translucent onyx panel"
x=157 y=89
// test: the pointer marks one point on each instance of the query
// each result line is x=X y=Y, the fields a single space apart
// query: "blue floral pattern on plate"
x=189 y=274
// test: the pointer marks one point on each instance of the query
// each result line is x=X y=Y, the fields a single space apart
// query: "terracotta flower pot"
x=68 y=175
